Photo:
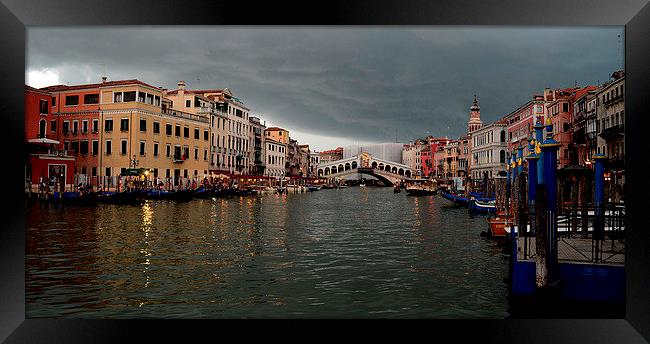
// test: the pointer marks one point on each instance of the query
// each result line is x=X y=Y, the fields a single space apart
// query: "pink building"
x=520 y=122
x=560 y=112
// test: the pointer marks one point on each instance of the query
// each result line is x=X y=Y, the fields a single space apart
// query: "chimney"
x=181 y=85
x=103 y=79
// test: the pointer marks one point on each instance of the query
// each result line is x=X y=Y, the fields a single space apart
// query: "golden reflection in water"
x=416 y=211
x=147 y=220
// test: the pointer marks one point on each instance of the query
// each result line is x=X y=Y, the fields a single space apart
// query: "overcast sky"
x=335 y=86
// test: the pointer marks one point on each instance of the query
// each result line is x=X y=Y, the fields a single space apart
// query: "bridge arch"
x=400 y=171
x=327 y=171
x=340 y=169
x=347 y=166
x=354 y=165
x=387 y=168
x=374 y=164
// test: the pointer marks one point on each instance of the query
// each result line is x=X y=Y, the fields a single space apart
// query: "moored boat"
x=421 y=187
x=497 y=227
x=457 y=199
x=482 y=207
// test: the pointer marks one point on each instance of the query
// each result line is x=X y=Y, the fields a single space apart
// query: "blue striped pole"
x=539 y=138
x=599 y=193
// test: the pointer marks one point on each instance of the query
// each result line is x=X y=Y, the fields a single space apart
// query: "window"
x=196 y=153
x=66 y=127
x=143 y=125
x=188 y=103
x=71 y=100
x=95 y=125
x=124 y=124
x=94 y=172
x=74 y=145
x=196 y=133
x=205 y=154
x=83 y=148
x=155 y=149
x=129 y=96
x=141 y=96
x=178 y=130
x=108 y=171
x=186 y=152
x=117 y=97
x=168 y=129
x=186 y=132
x=109 y=147
x=123 y=147
x=156 y=128
x=169 y=149
x=53 y=101
x=142 y=148
x=156 y=100
x=42 y=107
x=84 y=126
x=91 y=98
x=75 y=127
x=108 y=125
x=205 y=136
x=95 y=147
x=53 y=125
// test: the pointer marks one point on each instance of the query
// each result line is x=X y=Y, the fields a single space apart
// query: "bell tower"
x=474 y=122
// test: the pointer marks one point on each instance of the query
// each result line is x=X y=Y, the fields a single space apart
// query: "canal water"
x=345 y=253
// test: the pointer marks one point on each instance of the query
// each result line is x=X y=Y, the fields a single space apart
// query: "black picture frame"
x=15 y=15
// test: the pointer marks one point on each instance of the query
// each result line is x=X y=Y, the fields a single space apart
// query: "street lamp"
x=134 y=161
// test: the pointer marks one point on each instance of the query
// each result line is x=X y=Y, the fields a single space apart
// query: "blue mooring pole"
x=532 y=173
x=539 y=138
x=599 y=194
x=549 y=150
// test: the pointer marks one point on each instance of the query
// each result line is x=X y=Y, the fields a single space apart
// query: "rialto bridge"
x=387 y=171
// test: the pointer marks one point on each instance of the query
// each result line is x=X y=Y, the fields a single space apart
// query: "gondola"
x=457 y=199
x=482 y=207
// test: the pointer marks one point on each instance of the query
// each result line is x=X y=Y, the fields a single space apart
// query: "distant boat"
x=362 y=185
x=313 y=188
x=396 y=189
x=328 y=186
x=343 y=186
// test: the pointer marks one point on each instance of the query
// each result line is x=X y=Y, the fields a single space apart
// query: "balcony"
x=613 y=132
x=613 y=101
x=616 y=162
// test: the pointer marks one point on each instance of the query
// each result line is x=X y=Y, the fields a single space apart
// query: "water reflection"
x=356 y=252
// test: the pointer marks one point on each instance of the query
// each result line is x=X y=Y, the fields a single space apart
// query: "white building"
x=275 y=158
x=488 y=152
x=384 y=151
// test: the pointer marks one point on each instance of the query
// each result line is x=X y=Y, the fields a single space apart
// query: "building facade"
x=610 y=115
x=488 y=150
x=276 y=153
x=140 y=129
x=45 y=161
x=258 y=152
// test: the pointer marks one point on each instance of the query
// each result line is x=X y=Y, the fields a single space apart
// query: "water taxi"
x=421 y=187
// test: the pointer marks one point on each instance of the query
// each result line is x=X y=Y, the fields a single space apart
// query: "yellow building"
x=141 y=130
x=277 y=134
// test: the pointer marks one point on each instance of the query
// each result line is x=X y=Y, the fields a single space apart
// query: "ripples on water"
x=355 y=252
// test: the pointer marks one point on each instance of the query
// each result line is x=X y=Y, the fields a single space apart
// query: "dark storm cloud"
x=360 y=83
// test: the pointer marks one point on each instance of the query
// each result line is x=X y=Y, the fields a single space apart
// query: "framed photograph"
x=438 y=161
